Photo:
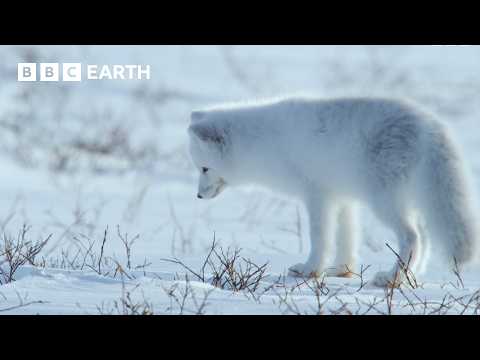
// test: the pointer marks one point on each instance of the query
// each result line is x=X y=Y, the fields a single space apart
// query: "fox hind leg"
x=409 y=240
x=425 y=247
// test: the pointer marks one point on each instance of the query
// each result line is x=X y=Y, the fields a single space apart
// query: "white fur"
x=331 y=154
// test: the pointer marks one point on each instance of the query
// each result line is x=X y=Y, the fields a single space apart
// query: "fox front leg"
x=320 y=213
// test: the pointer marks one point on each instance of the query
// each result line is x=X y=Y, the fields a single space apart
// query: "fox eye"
x=204 y=170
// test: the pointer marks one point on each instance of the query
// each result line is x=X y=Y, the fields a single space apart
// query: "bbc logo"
x=73 y=72
x=49 y=72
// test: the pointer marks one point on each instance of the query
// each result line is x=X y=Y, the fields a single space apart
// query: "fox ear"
x=207 y=133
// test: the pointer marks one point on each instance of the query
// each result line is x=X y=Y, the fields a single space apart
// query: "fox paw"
x=304 y=270
x=339 y=271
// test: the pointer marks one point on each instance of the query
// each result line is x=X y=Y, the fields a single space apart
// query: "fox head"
x=208 y=144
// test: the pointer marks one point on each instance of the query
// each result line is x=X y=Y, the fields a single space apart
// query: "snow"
x=157 y=199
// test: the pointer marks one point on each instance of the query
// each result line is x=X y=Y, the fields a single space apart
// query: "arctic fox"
x=333 y=154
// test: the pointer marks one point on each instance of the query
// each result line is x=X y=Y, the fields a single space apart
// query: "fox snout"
x=211 y=191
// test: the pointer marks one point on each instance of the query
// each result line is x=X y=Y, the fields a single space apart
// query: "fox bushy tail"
x=450 y=201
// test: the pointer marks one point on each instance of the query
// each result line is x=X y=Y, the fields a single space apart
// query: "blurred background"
x=77 y=157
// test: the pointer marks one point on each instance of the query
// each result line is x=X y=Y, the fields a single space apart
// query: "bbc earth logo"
x=72 y=72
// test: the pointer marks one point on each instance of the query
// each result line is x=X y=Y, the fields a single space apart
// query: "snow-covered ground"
x=68 y=173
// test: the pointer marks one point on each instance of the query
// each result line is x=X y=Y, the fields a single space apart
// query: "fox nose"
x=199 y=196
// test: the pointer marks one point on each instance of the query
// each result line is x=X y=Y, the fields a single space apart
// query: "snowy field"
x=99 y=213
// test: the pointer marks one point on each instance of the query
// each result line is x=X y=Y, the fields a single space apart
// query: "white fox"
x=332 y=154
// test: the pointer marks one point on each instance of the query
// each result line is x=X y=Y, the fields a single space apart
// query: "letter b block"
x=27 y=72
x=49 y=72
